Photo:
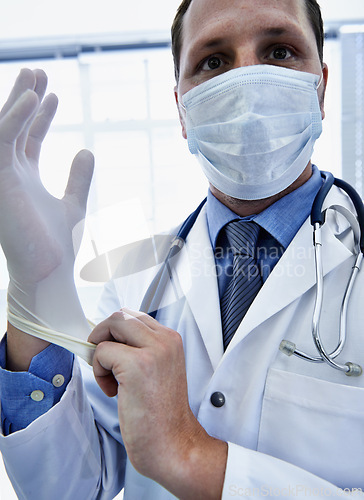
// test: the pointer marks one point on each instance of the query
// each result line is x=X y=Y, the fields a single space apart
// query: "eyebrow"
x=284 y=30
x=212 y=43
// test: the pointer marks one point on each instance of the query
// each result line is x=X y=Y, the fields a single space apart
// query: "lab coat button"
x=217 y=399
x=37 y=395
x=58 y=380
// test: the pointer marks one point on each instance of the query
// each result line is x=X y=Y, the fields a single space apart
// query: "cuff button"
x=37 y=395
x=58 y=380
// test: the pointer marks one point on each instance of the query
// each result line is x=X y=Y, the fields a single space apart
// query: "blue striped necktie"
x=246 y=280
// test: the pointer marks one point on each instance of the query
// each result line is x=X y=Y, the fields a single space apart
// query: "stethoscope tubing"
x=153 y=295
x=317 y=220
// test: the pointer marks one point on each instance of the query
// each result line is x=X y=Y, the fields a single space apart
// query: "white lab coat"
x=294 y=428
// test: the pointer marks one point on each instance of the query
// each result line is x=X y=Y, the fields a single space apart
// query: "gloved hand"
x=35 y=227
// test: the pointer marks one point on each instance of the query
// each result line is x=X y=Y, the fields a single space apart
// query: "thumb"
x=80 y=177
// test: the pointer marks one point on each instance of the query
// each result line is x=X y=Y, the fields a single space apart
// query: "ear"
x=181 y=113
x=322 y=89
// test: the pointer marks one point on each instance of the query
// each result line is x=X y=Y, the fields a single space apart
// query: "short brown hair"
x=314 y=16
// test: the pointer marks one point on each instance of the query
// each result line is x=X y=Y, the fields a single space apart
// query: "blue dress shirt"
x=27 y=395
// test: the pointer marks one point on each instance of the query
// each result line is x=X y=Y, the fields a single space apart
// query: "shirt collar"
x=282 y=219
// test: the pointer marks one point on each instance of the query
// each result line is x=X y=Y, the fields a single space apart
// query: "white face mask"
x=253 y=128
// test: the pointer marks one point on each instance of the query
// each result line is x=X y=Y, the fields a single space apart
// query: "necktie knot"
x=242 y=237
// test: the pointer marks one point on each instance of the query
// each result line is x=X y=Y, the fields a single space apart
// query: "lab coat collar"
x=200 y=286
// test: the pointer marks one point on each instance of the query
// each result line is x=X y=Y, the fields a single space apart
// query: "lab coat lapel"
x=293 y=275
x=197 y=277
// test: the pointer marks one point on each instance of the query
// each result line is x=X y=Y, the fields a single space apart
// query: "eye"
x=211 y=63
x=281 y=54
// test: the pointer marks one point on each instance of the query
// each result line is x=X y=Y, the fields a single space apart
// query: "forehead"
x=206 y=18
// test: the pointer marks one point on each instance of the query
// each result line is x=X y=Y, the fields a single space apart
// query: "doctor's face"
x=220 y=35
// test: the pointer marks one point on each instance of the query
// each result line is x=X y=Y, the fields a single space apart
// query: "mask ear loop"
x=320 y=81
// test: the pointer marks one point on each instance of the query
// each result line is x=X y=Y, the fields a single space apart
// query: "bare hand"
x=142 y=362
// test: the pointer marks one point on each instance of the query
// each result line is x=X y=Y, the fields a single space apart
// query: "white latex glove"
x=35 y=227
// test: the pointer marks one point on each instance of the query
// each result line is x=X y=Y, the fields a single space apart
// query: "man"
x=198 y=418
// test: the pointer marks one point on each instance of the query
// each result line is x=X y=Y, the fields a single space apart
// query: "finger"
x=80 y=177
x=108 y=362
x=152 y=323
x=104 y=376
x=40 y=127
x=123 y=328
x=12 y=124
x=41 y=82
x=25 y=81
x=40 y=87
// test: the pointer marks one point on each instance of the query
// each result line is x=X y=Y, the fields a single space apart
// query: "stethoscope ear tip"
x=354 y=370
x=287 y=347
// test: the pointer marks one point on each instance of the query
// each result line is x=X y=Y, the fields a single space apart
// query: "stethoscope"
x=153 y=296
x=317 y=221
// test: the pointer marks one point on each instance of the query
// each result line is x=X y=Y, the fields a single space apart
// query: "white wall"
x=342 y=10
x=45 y=18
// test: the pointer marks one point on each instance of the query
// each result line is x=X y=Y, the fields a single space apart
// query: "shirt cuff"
x=27 y=395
